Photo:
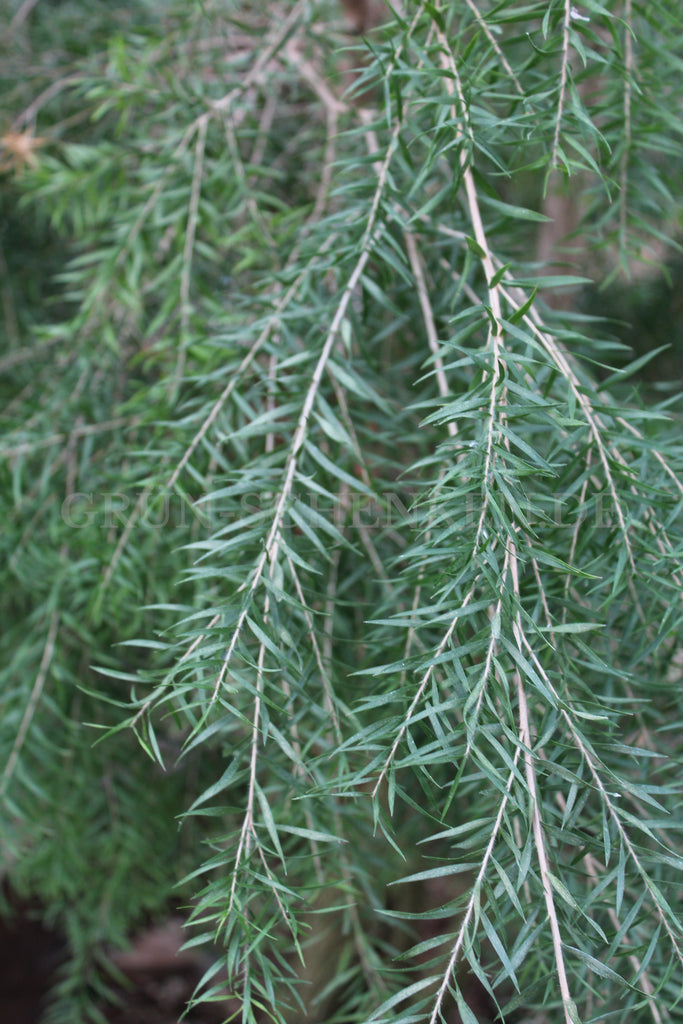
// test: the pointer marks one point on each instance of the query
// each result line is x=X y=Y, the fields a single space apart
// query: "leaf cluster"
x=311 y=491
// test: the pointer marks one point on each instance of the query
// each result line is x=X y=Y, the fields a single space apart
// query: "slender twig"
x=255 y=73
x=248 y=831
x=44 y=97
x=496 y=47
x=495 y=341
x=454 y=88
x=84 y=430
x=430 y=326
x=30 y=711
x=271 y=546
x=537 y=821
x=474 y=899
x=607 y=797
x=328 y=701
x=272 y=543
x=562 y=362
x=564 y=74
x=188 y=252
x=592 y=868
x=626 y=141
x=494 y=619
x=423 y=685
x=21 y=15
x=131 y=520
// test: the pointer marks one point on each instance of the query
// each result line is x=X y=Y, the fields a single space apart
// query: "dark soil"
x=29 y=956
x=160 y=978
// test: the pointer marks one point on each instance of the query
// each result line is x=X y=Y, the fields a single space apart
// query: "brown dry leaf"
x=18 y=149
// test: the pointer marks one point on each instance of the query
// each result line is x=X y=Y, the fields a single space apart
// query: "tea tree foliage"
x=342 y=595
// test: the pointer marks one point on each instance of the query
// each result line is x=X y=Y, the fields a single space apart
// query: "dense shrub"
x=342 y=577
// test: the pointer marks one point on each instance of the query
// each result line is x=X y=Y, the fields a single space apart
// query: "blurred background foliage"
x=114 y=331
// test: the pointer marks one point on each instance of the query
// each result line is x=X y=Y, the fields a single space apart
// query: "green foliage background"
x=342 y=577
